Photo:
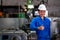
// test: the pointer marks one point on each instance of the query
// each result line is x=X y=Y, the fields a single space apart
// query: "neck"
x=42 y=17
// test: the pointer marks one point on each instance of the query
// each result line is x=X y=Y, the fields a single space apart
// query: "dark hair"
x=38 y=10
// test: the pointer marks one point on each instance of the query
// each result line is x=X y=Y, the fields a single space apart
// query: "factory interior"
x=16 y=15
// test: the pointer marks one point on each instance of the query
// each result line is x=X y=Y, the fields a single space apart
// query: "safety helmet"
x=42 y=7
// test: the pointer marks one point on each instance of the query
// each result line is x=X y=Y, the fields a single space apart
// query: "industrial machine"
x=14 y=24
x=9 y=29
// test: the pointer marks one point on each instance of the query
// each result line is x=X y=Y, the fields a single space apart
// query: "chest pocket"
x=46 y=23
x=39 y=23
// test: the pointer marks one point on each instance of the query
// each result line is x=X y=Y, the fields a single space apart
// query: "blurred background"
x=16 y=15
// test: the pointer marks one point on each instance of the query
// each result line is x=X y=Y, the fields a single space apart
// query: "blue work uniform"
x=41 y=34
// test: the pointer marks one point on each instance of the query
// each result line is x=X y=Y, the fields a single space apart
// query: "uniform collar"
x=41 y=18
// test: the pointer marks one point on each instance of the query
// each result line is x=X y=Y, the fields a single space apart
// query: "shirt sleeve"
x=49 y=29
x=33 y=26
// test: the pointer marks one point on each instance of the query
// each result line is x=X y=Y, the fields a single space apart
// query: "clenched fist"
x=41 y=28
